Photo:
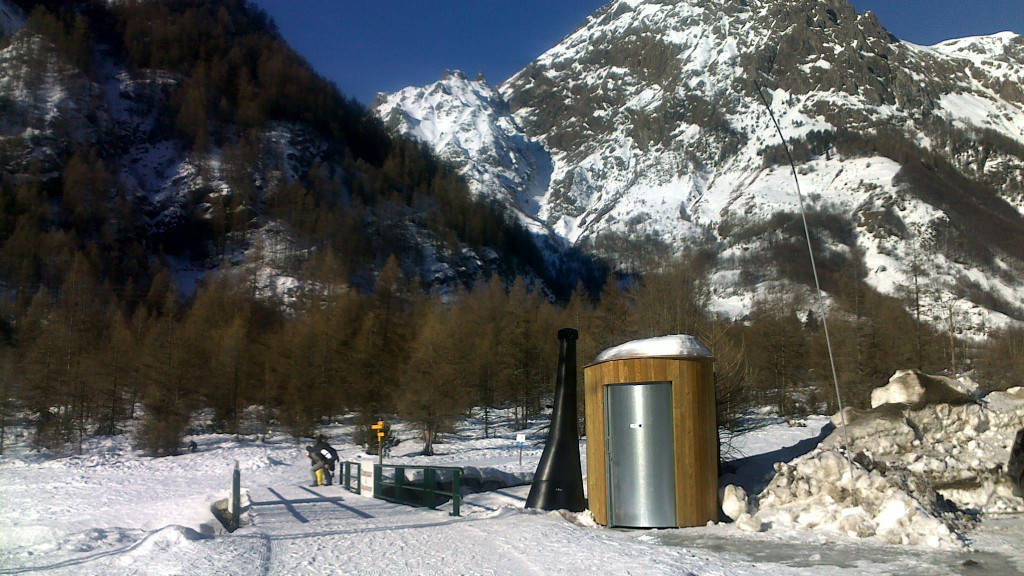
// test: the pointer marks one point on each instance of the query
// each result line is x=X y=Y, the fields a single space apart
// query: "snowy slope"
x=468 y=124
x=652 y=116
x=204 y=207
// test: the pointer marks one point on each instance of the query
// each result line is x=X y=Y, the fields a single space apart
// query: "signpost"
x=379 y=427
x=520 y=441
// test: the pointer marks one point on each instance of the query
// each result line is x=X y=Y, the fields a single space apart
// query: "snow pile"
x=917 y=389
x=734 y=501
x=166 y=538
x=929 y=459
x=484 y=478
x=817 y=492
x=960 y=450
x=674 y=346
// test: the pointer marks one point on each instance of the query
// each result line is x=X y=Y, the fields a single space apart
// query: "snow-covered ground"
x=115 y=511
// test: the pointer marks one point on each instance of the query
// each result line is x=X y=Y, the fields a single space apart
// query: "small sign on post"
x=520 y=441
x=379 y=427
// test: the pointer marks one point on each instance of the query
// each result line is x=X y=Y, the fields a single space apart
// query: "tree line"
x=77 y=360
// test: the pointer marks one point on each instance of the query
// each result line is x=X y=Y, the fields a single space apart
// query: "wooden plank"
x=696 y=444
x=596 y=484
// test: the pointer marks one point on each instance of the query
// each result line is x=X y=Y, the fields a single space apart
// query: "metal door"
x=640 y=455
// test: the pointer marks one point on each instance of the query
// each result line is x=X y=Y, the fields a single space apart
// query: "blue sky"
x=370 y=46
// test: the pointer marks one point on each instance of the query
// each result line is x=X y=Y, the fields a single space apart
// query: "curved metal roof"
x=680 y=346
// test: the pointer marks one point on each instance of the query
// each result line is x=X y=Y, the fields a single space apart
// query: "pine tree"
x=436 y=391
x=193 y=118
x=39 y=352
x=383 y=343
x=170 y=395
x=776 y=349
x=115 y=373
x=217 y=331
x=487 y=323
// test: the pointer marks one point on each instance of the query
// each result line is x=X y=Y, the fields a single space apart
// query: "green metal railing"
x=351 y=481
x=434 y=486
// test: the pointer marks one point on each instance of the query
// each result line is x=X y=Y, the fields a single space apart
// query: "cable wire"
x=814 y=270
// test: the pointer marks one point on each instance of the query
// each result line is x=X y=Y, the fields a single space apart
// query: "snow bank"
x=734 y=501
x=917 y=389
x=928 y=460
x=674 y=346
x=167 y=538
x=960 y=450
x=822 y=491
x=485 y=478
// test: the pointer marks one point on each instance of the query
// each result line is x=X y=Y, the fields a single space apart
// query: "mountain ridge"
x=652 y=116
x=215 y=145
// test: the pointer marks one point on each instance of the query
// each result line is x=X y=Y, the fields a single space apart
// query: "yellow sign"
x=378 y=426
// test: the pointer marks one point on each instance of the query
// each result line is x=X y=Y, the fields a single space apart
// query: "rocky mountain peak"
x=466 y=122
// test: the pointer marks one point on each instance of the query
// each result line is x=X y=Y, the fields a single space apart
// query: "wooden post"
x=379 y=427
x=456 y=490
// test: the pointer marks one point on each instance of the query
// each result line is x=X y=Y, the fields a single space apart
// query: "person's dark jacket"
x=326 y=451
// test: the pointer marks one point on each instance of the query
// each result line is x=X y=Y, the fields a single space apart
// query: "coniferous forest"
x=97 y=338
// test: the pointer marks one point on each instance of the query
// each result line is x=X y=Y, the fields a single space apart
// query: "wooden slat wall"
x=696 y=438
x=696 y=443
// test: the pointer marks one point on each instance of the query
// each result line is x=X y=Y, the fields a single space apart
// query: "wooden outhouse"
x=652 y=438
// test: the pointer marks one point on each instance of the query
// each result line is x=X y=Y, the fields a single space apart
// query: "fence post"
x=378 y=472
x=236 y=496
x=456 y=490
x=430 y=484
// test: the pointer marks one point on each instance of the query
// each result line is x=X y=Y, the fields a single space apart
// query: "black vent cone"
x=558 y=482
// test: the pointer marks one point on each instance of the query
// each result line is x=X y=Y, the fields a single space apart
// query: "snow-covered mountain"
x=653 y=123
x=469 y=125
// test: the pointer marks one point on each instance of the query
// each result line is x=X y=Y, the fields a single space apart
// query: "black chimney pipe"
x=558 y=482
